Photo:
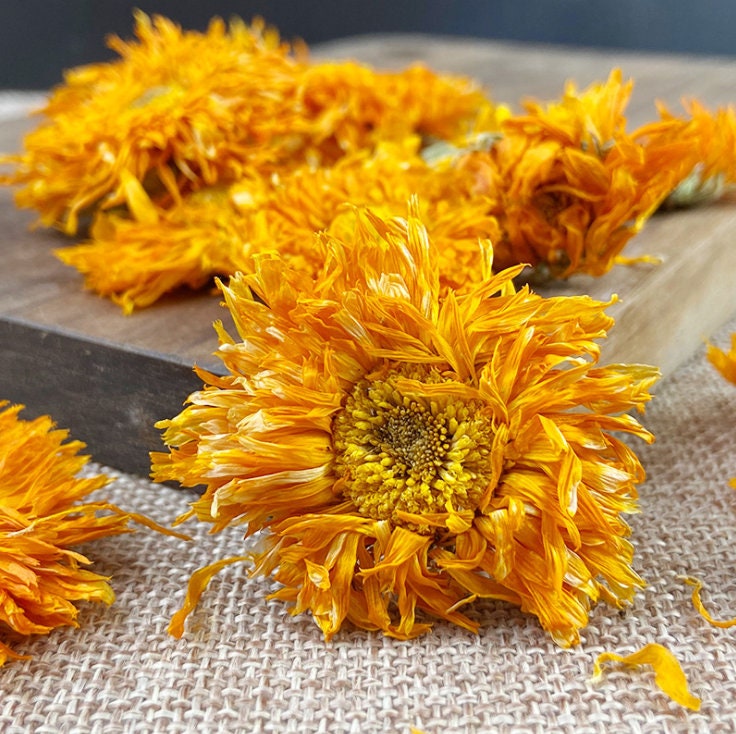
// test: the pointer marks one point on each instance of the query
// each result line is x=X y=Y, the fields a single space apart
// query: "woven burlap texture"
x=245 y=665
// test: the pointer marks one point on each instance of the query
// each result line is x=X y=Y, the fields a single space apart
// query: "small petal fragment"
x=724 y=362
x=198 y=582
x=668 y=673
x=697 y=585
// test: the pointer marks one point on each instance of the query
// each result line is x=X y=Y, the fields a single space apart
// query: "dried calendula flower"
x=568 y=186
x=406 y=450
x=166 y=112
x=668 y=673
x=700 y=147
x=42 y=517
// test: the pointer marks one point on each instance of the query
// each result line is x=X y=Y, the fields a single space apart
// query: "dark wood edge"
x=106 y=396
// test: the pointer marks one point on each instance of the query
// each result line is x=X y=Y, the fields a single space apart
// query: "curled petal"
x=198 y=582
x=697 y=585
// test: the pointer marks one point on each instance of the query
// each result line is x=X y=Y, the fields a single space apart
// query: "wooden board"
x=108 y=377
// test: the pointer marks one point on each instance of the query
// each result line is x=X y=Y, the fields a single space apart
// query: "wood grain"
x=108 y=377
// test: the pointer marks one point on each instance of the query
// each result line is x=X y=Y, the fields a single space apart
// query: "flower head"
x=567 y=184
x=166 y=112
x=41 y=520
x=406 y=449
x=700 y=147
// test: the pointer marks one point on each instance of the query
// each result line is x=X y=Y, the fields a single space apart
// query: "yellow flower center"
x=550 y=205
x=400 y=448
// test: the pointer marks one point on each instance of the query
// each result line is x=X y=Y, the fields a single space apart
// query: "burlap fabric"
x=245 y=665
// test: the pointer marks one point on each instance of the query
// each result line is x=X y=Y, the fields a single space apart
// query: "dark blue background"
x=39 y=38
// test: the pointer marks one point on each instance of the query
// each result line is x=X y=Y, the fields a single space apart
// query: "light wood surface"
x=109 y=377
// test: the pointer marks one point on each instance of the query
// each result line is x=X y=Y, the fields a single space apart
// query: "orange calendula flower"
x=41 y=520
x=668 y=673
x=354 y=106
x=183 y=109
x=176 y=108
x=219 y=230
x=568 y=186
x=407 y=449
x=700 y=147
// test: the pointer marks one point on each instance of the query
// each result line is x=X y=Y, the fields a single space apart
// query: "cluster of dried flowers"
x=406 y=429
x=194 y=152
